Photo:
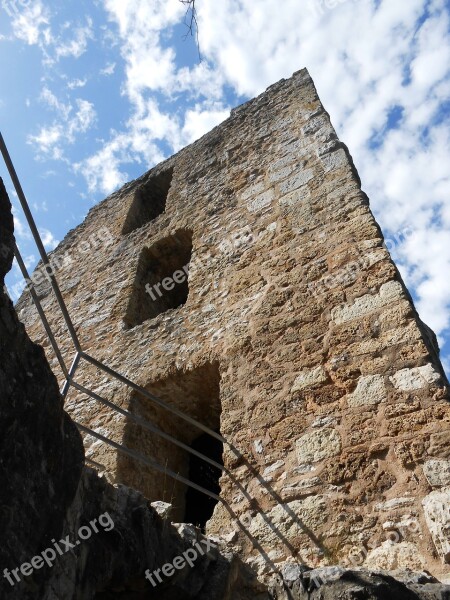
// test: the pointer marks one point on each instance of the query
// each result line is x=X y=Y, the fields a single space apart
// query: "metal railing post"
x=71 y=375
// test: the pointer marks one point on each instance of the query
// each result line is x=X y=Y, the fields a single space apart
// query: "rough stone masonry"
x=293 y=335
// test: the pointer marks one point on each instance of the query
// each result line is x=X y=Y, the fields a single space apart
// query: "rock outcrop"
x=336 y=583
x=66 y=532
x=41 y=452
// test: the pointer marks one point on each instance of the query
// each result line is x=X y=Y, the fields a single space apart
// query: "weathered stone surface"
x=370 y=390
x=391 y=556
x=164 y=509
x=408 y=380
x=300 y=489
x=290 y=520
x=336 y=583
x=308 y=378
x=317 y=445
x=368 y=304
x=440 y=444
x=437 y=472
x=394 y=503
x=437 y=516
x=291 y=316
x=140 y=540
x=275 y=467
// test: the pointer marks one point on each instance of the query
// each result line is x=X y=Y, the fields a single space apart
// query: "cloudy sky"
x=94 y=93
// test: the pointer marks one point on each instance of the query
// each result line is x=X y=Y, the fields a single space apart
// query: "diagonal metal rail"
x=70 y=374
x=38 y=241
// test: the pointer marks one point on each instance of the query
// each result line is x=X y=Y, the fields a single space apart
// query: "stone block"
x=318 y=445
x=436 y=507
x=367 y=304
x=408 y=380
x=289 y=520
x=163 y=509
x=297 y=180
x=272 y=468
x=370 y=390
x=333 y=161
x=437 y=472
x=309 y=378
x=394 y=503
x=261 y=201
x=390 y=556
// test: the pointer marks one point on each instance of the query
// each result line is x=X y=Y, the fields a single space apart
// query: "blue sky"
x=95 y=93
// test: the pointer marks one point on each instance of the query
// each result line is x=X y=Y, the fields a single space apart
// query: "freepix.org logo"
x=179 y=562
x=50 y=555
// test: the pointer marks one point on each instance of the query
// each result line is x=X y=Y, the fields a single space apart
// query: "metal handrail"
x=69 y=375
x=40 y=310
x=147 y=425
x=37 y=238
x=149 y=462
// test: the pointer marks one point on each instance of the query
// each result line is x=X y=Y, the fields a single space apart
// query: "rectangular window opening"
x=161 y=282
x=149 y=201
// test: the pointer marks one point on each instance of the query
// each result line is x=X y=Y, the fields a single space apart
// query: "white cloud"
x=83 y=119
x=49 y=98
x=199 y=121
x=31 y=23
x=108 y=70
x=21 y=230
x=72 y=121
x=48 y=140
x=76 y=46
x=77 y=83
x=48 y=239
x=102 y=170
x=370 y=60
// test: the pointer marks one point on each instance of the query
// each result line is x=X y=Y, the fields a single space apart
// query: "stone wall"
x=294 y=335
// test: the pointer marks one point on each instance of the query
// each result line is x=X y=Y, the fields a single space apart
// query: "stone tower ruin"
x=245 y=281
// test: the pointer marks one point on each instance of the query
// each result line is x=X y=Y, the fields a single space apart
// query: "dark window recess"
x=149 y=201
x=161 y=281
x=199 y=507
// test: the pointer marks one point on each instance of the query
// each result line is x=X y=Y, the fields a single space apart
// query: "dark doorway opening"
x=199 y=507
x=195 y=392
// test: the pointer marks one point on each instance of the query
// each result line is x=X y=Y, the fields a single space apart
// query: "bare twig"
x=190 y=20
